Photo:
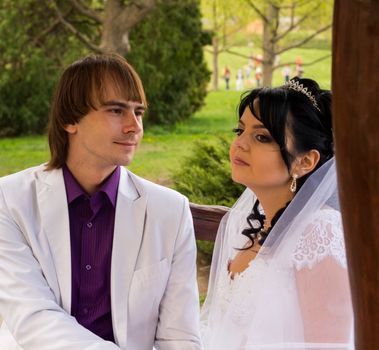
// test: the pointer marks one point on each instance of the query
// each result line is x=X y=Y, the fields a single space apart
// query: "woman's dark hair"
x=287 y=111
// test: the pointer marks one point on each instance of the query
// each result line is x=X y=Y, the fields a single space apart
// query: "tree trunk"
x=356 y=122
x=115 y=35
x=268 y=63
x=215 y=44
x=270 y=27
x=119 y=19
x=215 y=63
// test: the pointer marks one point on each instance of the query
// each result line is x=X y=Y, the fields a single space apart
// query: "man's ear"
x=71 y=128
x=305 y=163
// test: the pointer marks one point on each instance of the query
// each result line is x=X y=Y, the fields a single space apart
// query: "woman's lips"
x=239 y=161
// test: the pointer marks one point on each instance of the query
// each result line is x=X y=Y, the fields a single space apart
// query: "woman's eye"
x=238 y=131
x=263 y=138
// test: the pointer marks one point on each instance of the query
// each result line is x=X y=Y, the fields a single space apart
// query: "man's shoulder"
x=22 y=175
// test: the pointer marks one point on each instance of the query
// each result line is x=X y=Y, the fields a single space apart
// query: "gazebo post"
x=355 y=85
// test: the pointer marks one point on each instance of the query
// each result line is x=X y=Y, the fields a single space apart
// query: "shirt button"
x=89 y=224
x=88 y=267
x=85 y=311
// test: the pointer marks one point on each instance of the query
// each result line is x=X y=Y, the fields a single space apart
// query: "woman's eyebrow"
x=258 y=126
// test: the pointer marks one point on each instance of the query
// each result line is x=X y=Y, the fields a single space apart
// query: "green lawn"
x=163 y=149
x=22 y=152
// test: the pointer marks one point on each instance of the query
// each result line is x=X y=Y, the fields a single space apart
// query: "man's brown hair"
x=82 y=88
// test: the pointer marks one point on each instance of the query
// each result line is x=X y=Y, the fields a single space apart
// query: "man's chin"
x=126 y=162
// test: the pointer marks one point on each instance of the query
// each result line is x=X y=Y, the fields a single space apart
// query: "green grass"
x=163 y=149
x=22 y=152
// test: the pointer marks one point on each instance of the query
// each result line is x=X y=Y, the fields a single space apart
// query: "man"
x=92 y=256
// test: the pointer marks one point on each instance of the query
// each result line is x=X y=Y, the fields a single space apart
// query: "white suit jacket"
x=154 y=295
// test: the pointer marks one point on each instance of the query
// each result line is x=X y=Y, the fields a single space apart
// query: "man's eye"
x=263 y=138
x=115 y=110
x=139 y=113
x=238 y=131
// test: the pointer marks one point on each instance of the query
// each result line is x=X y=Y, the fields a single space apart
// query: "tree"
x=29 y=59
x=116 y=20
x=307 y=15
x=38 y=39
x=224 y=19
x=171 y=62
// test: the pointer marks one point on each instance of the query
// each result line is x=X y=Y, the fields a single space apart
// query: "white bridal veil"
x=260 y=308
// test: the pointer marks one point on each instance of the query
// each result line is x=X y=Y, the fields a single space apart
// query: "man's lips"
x=126 y=143
x=239 y=161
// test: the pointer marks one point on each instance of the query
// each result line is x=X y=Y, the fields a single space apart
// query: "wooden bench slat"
x=206 y=219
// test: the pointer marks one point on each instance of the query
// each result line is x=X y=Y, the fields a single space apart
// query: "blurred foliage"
x=24 y=96
x=34 y=48
x=171 y=62
x=204 y=176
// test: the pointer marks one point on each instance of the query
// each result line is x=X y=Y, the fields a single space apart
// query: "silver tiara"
x=294 y=85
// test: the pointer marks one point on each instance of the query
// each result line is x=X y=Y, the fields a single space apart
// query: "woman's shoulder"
x=326 y=216
x=321 y=238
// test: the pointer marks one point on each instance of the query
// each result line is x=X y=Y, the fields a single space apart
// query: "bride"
x=279 y=274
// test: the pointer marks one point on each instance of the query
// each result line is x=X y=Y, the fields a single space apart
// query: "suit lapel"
x=52 y=201
x=128 y=232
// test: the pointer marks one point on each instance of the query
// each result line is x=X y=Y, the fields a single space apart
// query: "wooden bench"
x=206 y=219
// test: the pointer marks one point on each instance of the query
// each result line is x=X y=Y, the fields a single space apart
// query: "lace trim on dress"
x=322 y=238
x=239 y=291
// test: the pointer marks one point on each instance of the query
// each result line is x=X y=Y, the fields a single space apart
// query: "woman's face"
x=255 y=157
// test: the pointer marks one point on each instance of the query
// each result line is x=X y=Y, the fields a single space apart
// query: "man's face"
x=108 y=136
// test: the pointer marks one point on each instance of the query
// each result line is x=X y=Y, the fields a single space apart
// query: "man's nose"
x=132 y=123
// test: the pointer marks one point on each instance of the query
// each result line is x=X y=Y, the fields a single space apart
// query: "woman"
x=278 y=277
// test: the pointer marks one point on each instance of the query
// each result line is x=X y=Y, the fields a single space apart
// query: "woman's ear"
x=305 y=163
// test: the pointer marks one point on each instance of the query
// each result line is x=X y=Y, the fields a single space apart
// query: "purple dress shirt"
x=91 y=232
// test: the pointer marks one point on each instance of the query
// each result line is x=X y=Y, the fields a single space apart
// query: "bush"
x=25 y=94
x=205 y=178
x=33 y=51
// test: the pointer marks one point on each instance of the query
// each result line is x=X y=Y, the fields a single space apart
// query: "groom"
x=92 y=256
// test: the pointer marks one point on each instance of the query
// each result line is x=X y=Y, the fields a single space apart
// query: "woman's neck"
x=272 y=202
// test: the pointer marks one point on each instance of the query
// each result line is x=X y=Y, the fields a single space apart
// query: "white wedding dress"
x=263 y=307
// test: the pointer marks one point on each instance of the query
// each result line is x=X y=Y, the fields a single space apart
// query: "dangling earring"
x=293 y=185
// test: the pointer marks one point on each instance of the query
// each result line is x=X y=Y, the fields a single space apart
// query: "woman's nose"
x=241 y=142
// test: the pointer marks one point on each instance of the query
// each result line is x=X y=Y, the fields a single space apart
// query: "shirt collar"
x=74 y=190
x=110 y=186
